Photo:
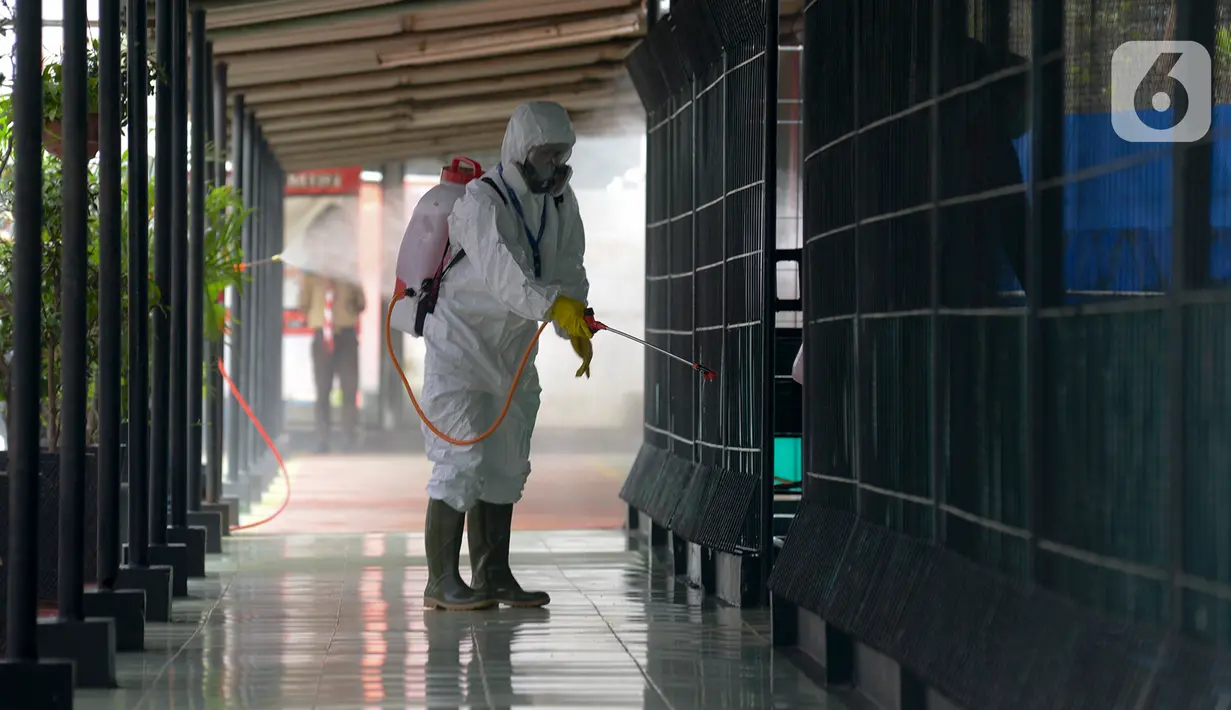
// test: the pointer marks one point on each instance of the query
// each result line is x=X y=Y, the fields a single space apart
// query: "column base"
x=173 y=556
x=126 y=607
x=44 y=684
x=193 y=540
x=89 y=644
x=156 y=582
x=212 y=522
x=228 y=508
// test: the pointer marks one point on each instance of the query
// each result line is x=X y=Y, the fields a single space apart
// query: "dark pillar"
x=211 y=522
x=251 y=331
x=127 y=608
x=22 y=561
x=239 y=152
x=216 y=402
x=769 y=297
x=271 y=328
x=110 y=254
x=178 y=397
x=244 y=351
x=155 y=582
x=164 y=196
x=26 y=682
x=248 y=325
x=280 y=215
x=168 y=175
x=253 y=364
x=1043 y=263
x=1192 y=236
x=73 y=315
x=138 y=297
x=196 y=259
x=221 y=145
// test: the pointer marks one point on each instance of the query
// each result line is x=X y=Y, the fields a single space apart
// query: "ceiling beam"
x=229 y=13
x=257 y=92
x=378 y=141
x=458 y=116
x=400 y=150
x=585 y=123
x=332 y=17
x=476 y=87
x=364 y=56
x=471 y=15
x=485 y=105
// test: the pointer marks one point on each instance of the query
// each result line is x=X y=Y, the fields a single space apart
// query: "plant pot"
x=48 y=520
x=53 y=130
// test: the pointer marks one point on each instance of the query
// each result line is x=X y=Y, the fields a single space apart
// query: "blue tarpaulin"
x=1117 y=220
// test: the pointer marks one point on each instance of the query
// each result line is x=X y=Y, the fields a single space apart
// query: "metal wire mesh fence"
x=1016 y=321
x=709 y=266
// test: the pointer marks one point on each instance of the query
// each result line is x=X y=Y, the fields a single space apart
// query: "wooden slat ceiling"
x=360 y=81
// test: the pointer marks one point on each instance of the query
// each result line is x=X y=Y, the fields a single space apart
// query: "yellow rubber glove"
x=585 y=350
x=570 y=315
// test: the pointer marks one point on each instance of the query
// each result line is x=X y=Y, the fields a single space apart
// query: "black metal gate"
x=1004 y=360
x=706 y=468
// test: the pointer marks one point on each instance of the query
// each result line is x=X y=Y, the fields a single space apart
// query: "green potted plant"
x=224 y=219
x=53 y=92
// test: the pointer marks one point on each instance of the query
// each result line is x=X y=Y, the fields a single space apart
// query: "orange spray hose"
x=427 y=422
x=268 y=442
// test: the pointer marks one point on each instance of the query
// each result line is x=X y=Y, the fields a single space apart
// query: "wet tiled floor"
x=336 y=623
x=360 y=493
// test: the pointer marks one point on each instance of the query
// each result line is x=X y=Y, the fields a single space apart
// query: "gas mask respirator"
x=546 y=169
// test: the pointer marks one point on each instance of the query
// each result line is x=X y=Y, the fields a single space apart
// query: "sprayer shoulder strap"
x=461 y=254
x=558 y=199
x=492 y=184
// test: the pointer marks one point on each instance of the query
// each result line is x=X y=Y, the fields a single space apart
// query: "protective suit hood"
x=534 y=124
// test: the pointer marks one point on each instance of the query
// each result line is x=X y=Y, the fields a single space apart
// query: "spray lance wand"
x=595 y=326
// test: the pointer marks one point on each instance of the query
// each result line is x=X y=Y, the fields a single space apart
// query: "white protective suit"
x=489 y=308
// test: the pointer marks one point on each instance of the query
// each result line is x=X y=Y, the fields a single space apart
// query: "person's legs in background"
x=322 y=370
x=346 y=364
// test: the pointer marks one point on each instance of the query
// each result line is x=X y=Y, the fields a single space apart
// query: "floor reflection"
x=338 y=624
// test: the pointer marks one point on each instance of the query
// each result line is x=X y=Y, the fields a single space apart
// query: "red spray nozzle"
x=707 y=374
x=593 y=323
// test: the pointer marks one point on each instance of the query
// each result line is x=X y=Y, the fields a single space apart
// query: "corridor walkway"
x=335 y=622
x=359 y=493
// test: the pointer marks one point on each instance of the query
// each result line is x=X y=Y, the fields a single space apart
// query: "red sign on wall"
x=328 y=181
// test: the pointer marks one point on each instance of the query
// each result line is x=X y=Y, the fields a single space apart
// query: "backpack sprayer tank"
x=424 y=256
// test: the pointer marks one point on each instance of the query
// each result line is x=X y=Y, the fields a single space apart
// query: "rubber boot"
x=443 y=541
x=490 y=528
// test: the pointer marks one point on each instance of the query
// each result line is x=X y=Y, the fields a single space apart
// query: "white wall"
x=615 y=260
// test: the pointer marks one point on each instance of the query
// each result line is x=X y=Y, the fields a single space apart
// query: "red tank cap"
x=461 y=171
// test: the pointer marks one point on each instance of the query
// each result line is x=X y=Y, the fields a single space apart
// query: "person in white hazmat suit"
x=521 y=234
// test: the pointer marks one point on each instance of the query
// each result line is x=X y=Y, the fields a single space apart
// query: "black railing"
x=61 y=526
x=707 y=471
x=959 y=155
